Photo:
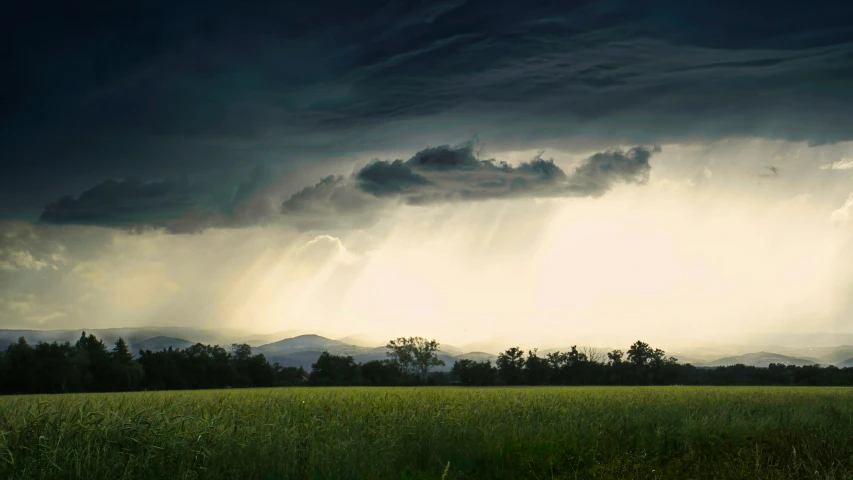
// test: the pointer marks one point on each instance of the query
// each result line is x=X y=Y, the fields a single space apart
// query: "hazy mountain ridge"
x=130 y=335
x=303 y=349
x=156 y=344
x=305 y=342
x=760 y=359
x=846 y=363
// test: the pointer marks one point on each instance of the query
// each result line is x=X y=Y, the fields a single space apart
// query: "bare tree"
x=594 y=355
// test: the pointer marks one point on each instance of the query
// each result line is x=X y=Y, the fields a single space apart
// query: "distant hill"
x=306 y=342
x=833 y=355
x=259 y=339
x=846 y=363
x=687 y=358
x=815 y=339
x=159 y=343
x=451 y=349
x=821 y=355
x=302 y=359
x=760 y=359
x=477 y=356
x=223 y=337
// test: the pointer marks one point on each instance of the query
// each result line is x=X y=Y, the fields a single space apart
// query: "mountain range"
x=760 y=359
x=303 y=350
x=291 y=349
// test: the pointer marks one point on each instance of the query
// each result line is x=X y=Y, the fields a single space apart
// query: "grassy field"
x=432 y=433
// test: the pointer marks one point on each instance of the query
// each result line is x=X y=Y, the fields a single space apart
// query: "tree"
x=593 y=355
x=402 y=354
x=661 y=366
x=241 y=352
x=93 y=359
x=18 y=376
x=334 y=370
x=640 y=353
x=126 y=373
x=380 y=373
x=471 y=372
x=121 y=352
x=536 y=368
x=288 y=376
x=511 y=366
x=615 y=357
x=617 y=366
x=415 y=355
x=259 y=371
x=51 y=370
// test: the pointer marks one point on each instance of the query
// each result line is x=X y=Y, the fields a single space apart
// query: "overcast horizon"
x=460 y=170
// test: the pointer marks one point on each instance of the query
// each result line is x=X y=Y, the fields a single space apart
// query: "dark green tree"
x=288 y=376
x=511 y=366
x=536 y=368
x=471 y=372
x=93 y=360
x=640 y=353
x=334 y=370
x=18 y=376
x=381 y=373
x=126 y=372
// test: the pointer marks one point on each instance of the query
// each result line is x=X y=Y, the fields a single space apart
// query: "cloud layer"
x=433 y=175
x=122 y=202
x=201 y=88
x=446 y=174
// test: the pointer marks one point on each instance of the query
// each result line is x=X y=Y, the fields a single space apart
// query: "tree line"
x=639 y=365
x=89 y=365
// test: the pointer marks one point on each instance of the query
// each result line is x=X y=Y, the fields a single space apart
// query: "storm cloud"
x=452 y=174
x=203 y=87
x=389 y=178
x=178 y=205
x=331 y=202
x=117 y=202
x=602 y=170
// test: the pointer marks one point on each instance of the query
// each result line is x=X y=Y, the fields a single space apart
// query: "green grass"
x=432 y=433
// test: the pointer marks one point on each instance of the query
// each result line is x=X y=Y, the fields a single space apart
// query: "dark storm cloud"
x=116 y=202
x=179 y=205
x=158 y=89
x=329 y=191
x=451 y=174
x=389 y=178
x=601 y=170
x=445 y=158
x=433 y=175
x=331 y=202
x=259 y=178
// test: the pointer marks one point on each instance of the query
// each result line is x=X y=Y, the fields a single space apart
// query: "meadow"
x=432 y=433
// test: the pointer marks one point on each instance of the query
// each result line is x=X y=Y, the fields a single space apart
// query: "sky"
x=462 y=170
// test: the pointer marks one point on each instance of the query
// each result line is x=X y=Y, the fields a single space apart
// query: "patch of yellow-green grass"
x=432 y=433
